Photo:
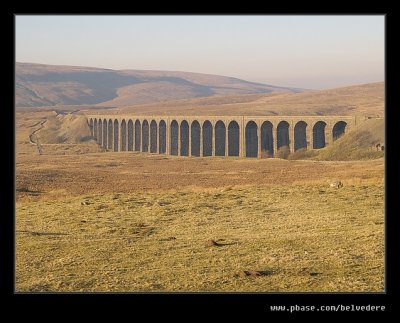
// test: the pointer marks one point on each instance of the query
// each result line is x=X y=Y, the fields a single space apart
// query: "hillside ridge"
x=52 y=85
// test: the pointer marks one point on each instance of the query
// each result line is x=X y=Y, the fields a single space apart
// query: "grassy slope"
x=357 y=144
x=64 y=129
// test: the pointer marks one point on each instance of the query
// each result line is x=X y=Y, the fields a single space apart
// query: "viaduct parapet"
x=244 y=136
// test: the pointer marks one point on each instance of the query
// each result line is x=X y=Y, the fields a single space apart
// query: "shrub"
x=283 y=152
x=303 y=153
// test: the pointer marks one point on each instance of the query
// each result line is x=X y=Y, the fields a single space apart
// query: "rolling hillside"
x=363 y=99
x=50 y=85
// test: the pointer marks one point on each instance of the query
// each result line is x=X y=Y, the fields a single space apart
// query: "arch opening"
x=251 y=139
x=162 y=137
x=319 y=135
x=338 y=129
x=95 y=134
x=138 y=135
x=110 y=134
x=105 y=134
x=207 y=138
x=153 y=136
x=130 y=135
x=145 y=136
x=267 y=140
x=184 y=138
x=174 y=137
x=100 y=135
x=283 y=136
x=300 y=135
x=195 y=138
x=233 y=139
x=116 y=133
x=123 y=135
x=220 y=137
x=91 y=127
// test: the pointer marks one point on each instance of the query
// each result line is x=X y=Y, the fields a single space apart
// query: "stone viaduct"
x=244 y=136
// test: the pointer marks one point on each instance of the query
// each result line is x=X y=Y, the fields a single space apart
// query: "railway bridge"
x=201 y=136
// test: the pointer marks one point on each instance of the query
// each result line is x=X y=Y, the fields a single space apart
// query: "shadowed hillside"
x=49 y=85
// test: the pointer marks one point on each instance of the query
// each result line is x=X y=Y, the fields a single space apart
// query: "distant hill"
x=364 y=99
x=50 y=85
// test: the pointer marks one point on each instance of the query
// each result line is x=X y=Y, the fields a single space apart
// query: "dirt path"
x=42 y=123
x=34 y=132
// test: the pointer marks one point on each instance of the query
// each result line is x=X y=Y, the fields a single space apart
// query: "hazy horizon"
x=311 y=52
x=278 y=85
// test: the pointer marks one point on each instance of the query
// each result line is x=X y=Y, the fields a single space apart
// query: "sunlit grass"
x=308 y=238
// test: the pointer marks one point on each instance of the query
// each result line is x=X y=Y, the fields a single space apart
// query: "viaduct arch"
x=195 y=138
x=202 y=136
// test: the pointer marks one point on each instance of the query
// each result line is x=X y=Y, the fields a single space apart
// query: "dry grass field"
x=88 y=220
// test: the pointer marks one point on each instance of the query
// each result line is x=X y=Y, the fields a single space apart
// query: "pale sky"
x=313 y=52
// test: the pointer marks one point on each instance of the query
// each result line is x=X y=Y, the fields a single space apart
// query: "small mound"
x=65 y=129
